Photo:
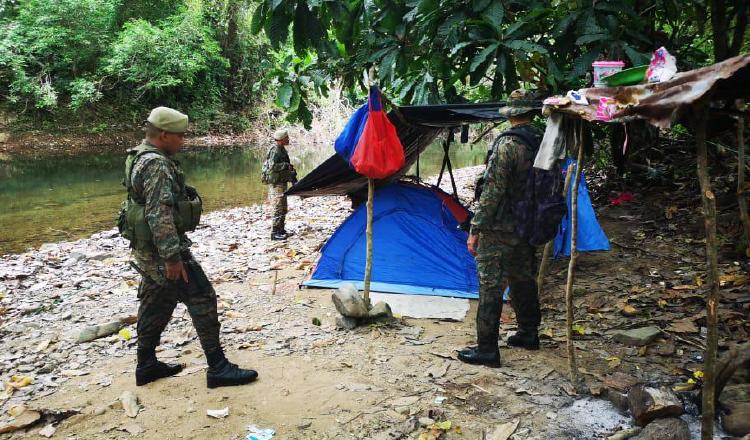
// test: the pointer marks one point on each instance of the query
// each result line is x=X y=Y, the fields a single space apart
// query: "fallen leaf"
x=547 y=333
x=734 y=279
x=445 y=425
x=125 y=334
x=20 y=381
x=628 y=310
x=504 y=431
x=670 y=212
x=579 y=329
x=614 y=361
x=16 y=410
x=683 y=326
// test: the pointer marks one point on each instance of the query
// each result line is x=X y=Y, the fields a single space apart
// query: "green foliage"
x=174 y=61
x=430 y=51
x=86 y=57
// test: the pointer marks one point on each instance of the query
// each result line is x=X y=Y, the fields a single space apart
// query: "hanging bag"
x=379 y=152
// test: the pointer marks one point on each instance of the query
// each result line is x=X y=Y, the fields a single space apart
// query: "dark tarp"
x=417 y=127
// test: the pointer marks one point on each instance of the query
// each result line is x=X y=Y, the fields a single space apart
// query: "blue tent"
x=417 y=246
x=590 y=237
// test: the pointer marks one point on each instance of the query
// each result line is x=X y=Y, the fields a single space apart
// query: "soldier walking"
x=277 y=172
x=158 y=212
x=501 y=255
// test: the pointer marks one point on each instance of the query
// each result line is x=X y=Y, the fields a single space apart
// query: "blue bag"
x=346 y=143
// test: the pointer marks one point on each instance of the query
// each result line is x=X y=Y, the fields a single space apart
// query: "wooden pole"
x=741 y=180
x=572 y=266
x=548 y=247
x=712 y=302
x=368 y=264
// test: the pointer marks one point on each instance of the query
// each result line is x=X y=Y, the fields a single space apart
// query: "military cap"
x=280 y=134
x=168 y=119
x=521 y=102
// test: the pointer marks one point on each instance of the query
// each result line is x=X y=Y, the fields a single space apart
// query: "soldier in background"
x=159 y=210
x=277 y=172
x=501 y=254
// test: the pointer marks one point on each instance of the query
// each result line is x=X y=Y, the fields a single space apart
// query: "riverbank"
x=373 y=383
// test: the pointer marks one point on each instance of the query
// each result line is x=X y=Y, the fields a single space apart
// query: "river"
x=56 y=198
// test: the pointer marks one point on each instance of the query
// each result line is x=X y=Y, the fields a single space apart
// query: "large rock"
x=349 y=302
x=346 y=323
x=637 y=336
x=665 y=429
x=647 y=404
x=735 y=399
x=380 y=310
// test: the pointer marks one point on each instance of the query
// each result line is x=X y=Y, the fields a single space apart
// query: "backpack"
x=538 y=213
x=266 y=169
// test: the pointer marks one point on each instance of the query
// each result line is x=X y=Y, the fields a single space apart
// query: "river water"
x=60 y=198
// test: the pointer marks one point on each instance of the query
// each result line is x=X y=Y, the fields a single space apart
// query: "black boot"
x=277 y=236
x=528 y=339
x=150 y=369
x=474 y=355
x=222 y=373
x=525 y=300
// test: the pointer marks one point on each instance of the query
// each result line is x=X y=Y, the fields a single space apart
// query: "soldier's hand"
x=472 y=243
x=176 y=271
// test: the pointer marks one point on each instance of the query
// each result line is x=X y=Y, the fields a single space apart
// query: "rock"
x=637 y=336
x=735 y=399
x=503 y=431
x=380 y=310
x=48 y=431
x=346 y=323
x=425 y=422
x=618 y=400
x=349 y=302
x=647 y=404
x=129 y=403
x=666 y=429
x=26 y=419
x=621 y=382
x=94 y=332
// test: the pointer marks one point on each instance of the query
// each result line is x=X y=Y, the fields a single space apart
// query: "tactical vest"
x=132 y=218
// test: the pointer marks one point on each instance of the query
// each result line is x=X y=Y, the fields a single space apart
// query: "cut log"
x=648 y=404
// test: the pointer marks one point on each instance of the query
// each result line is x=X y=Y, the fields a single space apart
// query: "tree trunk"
x=712 y=302
x=719 y=29
x=231 y=43
x=368 y=263
x=548 y=247
x=572 y=266
x=741 y=179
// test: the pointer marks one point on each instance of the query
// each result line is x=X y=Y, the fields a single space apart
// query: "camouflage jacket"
x=504 y=184
x=157 y=181
x=278 y=167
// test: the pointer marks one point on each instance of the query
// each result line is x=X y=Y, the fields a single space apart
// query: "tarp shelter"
x=427 y=254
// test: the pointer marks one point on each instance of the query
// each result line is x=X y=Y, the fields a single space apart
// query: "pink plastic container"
x=603 y=69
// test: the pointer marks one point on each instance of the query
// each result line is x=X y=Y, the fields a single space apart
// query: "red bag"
x=379 y=152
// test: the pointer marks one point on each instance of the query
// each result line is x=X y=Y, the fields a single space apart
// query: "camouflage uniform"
x=157 y=180
x=280 y=173
x=502 y=256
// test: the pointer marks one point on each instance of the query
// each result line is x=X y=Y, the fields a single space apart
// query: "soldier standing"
x=277 y=172
x=159 y=210
x=501 y=255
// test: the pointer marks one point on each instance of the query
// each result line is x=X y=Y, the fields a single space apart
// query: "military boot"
x=477 y=356
x=222 y=373
x=150 y=369
x=525 y=301
x=279 y=235
x=525 y=338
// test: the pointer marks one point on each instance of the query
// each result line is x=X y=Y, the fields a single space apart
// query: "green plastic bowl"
x=627 y=77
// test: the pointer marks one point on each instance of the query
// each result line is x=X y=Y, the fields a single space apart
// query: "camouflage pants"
x=159 y=297
x=502 y=258
x=277 y=200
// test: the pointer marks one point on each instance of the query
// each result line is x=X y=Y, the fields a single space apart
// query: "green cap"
x=168 y=119
x=521 y=102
